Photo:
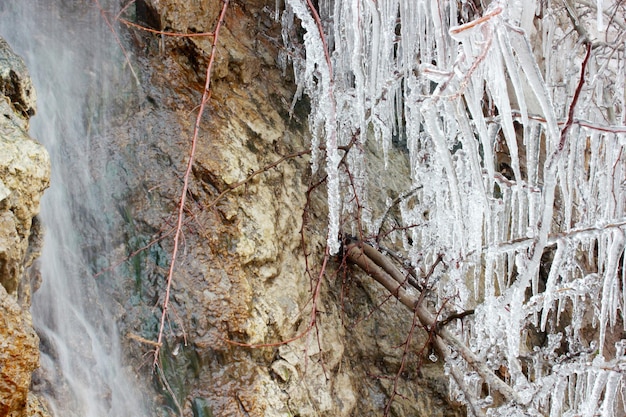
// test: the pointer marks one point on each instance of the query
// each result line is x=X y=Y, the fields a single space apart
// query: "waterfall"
x=75 y=64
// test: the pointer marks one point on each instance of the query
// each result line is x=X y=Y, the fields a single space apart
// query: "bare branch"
x=164 y=33
x=183 y=196
x=358 y=253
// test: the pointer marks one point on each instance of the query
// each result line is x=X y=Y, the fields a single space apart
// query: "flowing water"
x=77 y=69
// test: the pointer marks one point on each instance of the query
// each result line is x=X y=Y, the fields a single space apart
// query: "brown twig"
x=405 y=355
x=123 y=9
x=579 y=122
x=164 y=33
x=210 y=205
x=312 y=321
x=469 y=25
x=133 y=254
x=183 y=196
x=572 y=107
x=117 y=39
x=262 y=345
x=169 y=389
x=452 y=317
x=253 y=174
x=315 y=289
x=393 y=204
x=141 y=339
x=320 y=28
x=578 y=233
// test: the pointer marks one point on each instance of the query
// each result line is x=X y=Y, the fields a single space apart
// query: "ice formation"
x=526 y=198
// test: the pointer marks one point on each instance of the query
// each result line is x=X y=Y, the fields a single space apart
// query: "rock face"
x=248 y=277
x=243 y=277
x=19 y=356
x=24 y=175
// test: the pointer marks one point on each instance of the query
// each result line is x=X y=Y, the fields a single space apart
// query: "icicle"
x=532 y=142
x=557 y=397
x=610 y=393
x=375 y=45
x=623 y=306
x=527 y=62
x=397 y=65
x=498 y=88
x=590 y=406
x=609 y=285
x=324 y=115
x=548 y=294
x=433 y=125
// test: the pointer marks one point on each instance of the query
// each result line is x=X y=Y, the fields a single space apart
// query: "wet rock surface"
x=24 y=175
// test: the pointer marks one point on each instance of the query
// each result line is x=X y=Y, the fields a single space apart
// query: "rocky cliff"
x=248 y=277
x=244 y=276
x=24 y=175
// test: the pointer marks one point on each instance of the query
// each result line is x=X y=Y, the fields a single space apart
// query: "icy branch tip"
x=458 y=30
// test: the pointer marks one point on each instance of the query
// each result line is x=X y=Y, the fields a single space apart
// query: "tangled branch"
x=379 y=267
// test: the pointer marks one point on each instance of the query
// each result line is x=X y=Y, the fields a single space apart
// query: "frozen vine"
x=516 y=133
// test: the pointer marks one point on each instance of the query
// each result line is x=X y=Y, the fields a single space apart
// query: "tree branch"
x=379 y=267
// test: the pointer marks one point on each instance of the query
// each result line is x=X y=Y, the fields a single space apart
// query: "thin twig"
x=118 y=40
x=394 y=203
x=578 y=26
x=161 y=32
x=314 y=311
x=133 y=254
x=210 y=205
x=405 y=355
x=183 y=196
x=572 y=107
x=169 y=389
x=469 y=25
x=580 y=122
x=141 y=339
x=123 y=9
x=266 y=168
x=578 y=233
x=444 y=340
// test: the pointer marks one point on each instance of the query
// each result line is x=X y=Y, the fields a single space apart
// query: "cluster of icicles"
x=538 y=249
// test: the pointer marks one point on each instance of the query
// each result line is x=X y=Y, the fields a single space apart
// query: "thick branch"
x=382 y=270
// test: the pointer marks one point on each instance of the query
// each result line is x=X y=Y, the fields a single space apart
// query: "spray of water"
x=72 y=59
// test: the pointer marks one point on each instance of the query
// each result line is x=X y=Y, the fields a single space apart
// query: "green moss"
x=201 y=408
x=178 y=364
x=171 y=377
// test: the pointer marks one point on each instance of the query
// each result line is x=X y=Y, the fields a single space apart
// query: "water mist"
x=75 y=64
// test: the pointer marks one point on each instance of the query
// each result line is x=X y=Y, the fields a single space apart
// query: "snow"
x=532 y=232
